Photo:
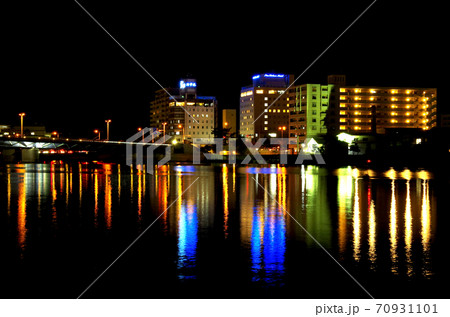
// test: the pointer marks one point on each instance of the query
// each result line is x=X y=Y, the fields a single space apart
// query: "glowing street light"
x=179 y=127
x=97 y=132
x=164 y=128
x=21 y=123
x=107 y=128
x=140 y=129
x=283 y=128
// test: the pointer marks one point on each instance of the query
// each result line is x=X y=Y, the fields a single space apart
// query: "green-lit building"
x=308 y=105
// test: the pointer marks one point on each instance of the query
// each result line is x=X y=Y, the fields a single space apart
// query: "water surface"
x=223 y=231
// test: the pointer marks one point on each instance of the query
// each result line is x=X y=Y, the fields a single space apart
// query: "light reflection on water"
x=389 y=213
x=268 y=229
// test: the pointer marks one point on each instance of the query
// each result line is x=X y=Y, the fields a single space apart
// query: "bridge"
x=34 y=149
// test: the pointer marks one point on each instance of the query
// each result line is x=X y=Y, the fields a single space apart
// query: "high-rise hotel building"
x=264 y=106
x=183 y=114
x=366 y=109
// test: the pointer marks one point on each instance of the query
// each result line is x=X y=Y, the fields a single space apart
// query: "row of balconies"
x=383 y=92
x=381 y=101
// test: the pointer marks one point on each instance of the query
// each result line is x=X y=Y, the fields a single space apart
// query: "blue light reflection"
x=187 y=241
x=268 y=245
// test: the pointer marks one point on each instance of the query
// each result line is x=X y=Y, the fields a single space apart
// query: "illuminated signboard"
x=256 y=77
x=274 y=75
x=184 y=84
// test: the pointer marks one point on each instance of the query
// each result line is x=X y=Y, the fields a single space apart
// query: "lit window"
x=266 y=122
x=271 y=92
x=342 y=90
x=373 y=91
x=342 y=127
x=342 y=120
x=260 y=91
x=342 y=105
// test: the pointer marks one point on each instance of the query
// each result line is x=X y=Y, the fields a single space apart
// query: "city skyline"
x=81 y=72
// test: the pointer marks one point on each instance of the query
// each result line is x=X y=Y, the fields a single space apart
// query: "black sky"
x=65 y=72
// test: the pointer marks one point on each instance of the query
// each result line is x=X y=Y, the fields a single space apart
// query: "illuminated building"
x=264 y=107
x=185 y=114
x=366 y=109
x=308 y=105
x=229 y=120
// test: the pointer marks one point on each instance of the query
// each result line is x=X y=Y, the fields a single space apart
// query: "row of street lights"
x=55 y=133
x=108 y=121
x=97 y=131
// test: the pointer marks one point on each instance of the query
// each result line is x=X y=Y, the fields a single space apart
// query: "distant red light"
x=369 y=161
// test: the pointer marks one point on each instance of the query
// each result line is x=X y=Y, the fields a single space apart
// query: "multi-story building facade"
x=200 y=118
x=264 y=106
x=369 y=109
x=181 y=113
x=308 y=105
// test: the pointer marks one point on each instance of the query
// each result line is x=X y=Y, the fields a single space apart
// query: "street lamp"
x=283 y=128
x=107 y=128
x=21 y=123
x=179 y=127
x=97 y=131
x=56 y=134
x=140 y=129
x=164 y=129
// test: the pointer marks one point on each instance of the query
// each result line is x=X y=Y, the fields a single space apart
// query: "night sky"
x=66 y=73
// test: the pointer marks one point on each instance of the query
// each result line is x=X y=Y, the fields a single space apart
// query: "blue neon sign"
x=184 y=84
x=256 y=77
x=274 y=75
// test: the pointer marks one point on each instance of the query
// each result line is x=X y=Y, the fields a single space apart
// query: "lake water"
x=222 y=231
